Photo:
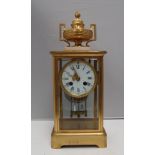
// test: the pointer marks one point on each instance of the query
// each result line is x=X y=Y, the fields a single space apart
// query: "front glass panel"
x=78 y=100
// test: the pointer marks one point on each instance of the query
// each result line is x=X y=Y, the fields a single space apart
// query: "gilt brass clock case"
x=78 y=119
x=86 y=130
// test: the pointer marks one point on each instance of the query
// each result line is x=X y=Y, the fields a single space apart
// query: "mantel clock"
x=78 y=88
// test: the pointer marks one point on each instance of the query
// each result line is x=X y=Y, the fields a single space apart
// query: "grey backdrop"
x=46 y=16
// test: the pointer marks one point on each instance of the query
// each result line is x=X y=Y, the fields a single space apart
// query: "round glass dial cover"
x=78 y=78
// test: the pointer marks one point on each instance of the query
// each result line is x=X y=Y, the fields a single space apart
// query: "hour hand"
x=75 y=76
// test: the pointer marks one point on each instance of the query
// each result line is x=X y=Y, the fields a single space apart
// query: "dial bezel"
x=74 y=95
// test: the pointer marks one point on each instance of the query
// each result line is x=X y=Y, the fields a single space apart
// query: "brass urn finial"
x=77 y=14
x=77 y=33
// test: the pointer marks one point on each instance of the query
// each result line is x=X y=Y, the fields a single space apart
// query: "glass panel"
x=78 y=113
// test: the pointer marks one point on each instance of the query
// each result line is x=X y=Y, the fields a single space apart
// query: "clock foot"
x=77 y=139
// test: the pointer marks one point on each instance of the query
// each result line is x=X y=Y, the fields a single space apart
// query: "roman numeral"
x=88 y=72
x=84 y=88
x=78 y=90
x=65 y=78
x=72 y=88
x=89 y=77
x=67 y=84
x=78 y=65
x=84 y=67
x=68 y=74
x=72 y=67
x=88 y=84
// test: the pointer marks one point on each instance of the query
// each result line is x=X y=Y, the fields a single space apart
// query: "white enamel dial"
x=78 y=78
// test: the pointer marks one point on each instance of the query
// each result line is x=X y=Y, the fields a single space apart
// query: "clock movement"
x=78 y=93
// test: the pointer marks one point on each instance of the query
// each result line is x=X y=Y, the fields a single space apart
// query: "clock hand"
x=76 y=75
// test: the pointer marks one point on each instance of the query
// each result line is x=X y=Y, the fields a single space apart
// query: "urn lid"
x=77 y=23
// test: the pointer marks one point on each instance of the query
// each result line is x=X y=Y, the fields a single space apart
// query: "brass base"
x=63 y=139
